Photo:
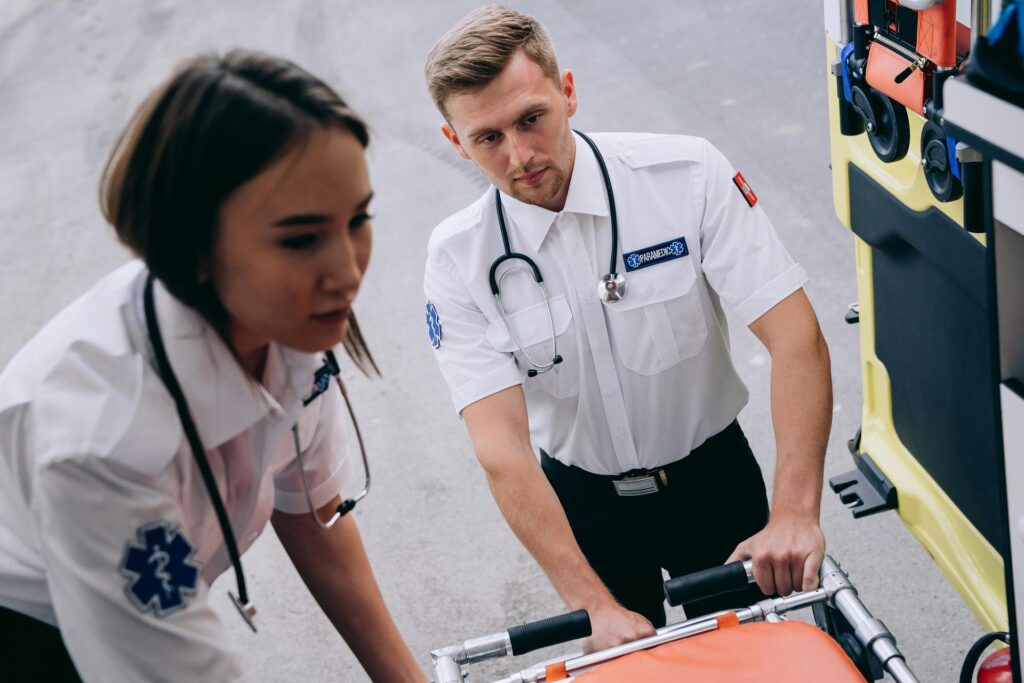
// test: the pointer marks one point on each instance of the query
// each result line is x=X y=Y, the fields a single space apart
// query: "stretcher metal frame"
x=835 y=590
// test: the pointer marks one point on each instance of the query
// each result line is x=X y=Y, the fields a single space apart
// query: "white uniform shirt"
x=644 y=380
x=93 y=457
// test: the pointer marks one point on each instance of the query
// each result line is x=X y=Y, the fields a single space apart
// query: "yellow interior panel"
x=966 y=558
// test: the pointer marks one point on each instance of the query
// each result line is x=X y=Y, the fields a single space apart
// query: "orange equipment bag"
x=883 y=65
x=785 y=652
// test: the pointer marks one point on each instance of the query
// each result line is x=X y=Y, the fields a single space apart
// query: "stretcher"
x=754 y=643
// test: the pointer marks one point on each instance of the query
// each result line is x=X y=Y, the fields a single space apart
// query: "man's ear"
x=569 y=90
x=453 y=138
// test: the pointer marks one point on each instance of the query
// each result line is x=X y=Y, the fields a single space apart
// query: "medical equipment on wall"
x=898 y=58
x=610 y=288
x=322 y=379
x=939 y=257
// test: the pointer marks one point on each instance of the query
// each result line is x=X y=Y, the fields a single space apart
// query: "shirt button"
x=619 y=433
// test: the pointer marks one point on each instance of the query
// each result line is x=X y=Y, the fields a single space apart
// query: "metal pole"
x=668 y=634
x=835 y=587
x=446 y=670
x=871 y=632
x=981 y=16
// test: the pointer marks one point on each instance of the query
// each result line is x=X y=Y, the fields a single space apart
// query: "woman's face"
x=292 y=245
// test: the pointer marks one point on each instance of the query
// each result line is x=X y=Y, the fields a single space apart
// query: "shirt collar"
x=223 y=400
x=586 y=195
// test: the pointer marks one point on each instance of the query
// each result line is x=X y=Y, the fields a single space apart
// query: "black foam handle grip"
x=551 y=631
x=706 y=583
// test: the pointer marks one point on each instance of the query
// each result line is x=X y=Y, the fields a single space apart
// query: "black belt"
x=642 y=482
x=638 y=482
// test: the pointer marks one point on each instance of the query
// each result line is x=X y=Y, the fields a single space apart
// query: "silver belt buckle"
x=637 y=485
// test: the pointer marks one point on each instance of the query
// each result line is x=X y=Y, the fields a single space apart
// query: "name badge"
x=659 y=253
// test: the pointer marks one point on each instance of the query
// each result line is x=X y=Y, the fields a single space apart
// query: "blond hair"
x=480 y=46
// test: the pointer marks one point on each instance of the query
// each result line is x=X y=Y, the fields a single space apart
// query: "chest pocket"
x=532 y=327
x=660 y=322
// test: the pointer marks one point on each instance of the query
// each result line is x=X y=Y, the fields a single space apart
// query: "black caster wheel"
x=886 y=122
x=935 y=161
x=831 y=621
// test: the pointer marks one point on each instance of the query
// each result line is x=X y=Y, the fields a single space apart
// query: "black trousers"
x=32 y=650
x=715 y=499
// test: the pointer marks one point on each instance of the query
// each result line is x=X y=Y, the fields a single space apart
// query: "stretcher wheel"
x=935 y=161
x=832 y=622
x=886 y=122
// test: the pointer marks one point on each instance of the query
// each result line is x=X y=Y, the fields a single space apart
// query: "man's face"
x=516 y=129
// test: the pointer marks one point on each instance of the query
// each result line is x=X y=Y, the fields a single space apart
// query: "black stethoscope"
x=321 y=382
x=610 y=288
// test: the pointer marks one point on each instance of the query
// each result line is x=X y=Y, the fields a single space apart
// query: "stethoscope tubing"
x=503 y=229
x=509 y=255
x=347 y=504
x=187 y=423
x=242 y=603
x=541 y=367
x=611 y=201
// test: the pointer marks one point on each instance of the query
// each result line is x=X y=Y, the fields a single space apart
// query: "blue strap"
x=843 y=56
x=954 y=163
x=1012 y=13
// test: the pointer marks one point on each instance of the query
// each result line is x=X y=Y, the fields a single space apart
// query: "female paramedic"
x=155 y=425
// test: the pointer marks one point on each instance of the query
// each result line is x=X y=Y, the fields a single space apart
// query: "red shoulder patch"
x=744 y=188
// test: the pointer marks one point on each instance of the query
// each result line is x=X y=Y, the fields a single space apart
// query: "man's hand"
x=499 y=428
x=787 y=554
x=614 y=625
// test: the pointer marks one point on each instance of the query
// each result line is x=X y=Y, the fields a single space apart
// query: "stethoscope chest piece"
x=611 y=288
x=247 y=610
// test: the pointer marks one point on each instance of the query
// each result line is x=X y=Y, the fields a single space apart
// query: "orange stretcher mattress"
x=786 y=652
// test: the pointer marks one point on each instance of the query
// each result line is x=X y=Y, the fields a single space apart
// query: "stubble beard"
x=532 y=195
x=559 y=175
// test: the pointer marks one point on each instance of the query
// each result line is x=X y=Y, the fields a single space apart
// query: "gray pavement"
x=748 y=75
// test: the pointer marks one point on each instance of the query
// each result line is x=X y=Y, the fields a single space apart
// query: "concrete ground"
x=748 y=75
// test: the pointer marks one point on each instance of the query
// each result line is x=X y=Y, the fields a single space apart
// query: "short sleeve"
x=471 y=366
x=125 y=585
x=742 y=256
x=326 y=460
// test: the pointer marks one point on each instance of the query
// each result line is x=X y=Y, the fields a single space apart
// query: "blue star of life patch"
x=433 y=326
x=159 y=571
x=321 y=382
x=659 y=253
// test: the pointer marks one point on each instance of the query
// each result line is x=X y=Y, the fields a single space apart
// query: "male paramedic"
x=606 y=346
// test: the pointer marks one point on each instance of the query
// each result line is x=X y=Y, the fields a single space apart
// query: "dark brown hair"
x=478 y=49
x=214 y=125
